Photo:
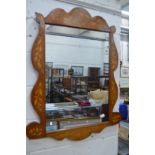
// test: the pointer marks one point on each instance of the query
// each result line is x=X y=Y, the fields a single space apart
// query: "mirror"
x=77 y=74
x=75 y=57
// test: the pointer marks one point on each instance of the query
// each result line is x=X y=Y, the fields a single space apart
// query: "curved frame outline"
x=79 y=18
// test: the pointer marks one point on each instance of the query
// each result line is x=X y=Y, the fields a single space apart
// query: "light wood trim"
x=35 y=129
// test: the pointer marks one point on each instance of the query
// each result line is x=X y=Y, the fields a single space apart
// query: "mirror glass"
x=77 y=75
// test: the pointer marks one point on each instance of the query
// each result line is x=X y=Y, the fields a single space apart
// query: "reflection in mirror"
x=77 y=75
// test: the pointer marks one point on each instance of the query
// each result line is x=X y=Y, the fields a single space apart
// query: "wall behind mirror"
x=77 y=74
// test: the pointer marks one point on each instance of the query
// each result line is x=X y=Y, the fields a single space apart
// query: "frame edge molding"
x=35 y=129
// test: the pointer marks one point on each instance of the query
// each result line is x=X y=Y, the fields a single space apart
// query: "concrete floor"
x=123 y=141
x=123 y=147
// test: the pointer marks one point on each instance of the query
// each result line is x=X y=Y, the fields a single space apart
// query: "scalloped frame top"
x=79 y=18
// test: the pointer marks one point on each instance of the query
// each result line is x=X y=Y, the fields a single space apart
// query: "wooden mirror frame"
x=78 y=18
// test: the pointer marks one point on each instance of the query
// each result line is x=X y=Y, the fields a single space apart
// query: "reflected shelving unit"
x=57 y=88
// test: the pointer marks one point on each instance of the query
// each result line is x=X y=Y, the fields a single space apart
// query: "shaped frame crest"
x=78 y=18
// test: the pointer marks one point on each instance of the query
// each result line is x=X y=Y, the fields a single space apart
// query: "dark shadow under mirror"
x=77 y=77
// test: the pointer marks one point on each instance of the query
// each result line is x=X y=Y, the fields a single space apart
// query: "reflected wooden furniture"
x=67 y=83
x=93 y=80
x=57 y=89
x=80 y=85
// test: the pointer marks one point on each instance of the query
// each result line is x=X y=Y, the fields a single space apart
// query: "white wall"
x=75 y=52
x=97 y=144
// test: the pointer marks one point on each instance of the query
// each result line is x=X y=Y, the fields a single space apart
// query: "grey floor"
x=123 y=147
